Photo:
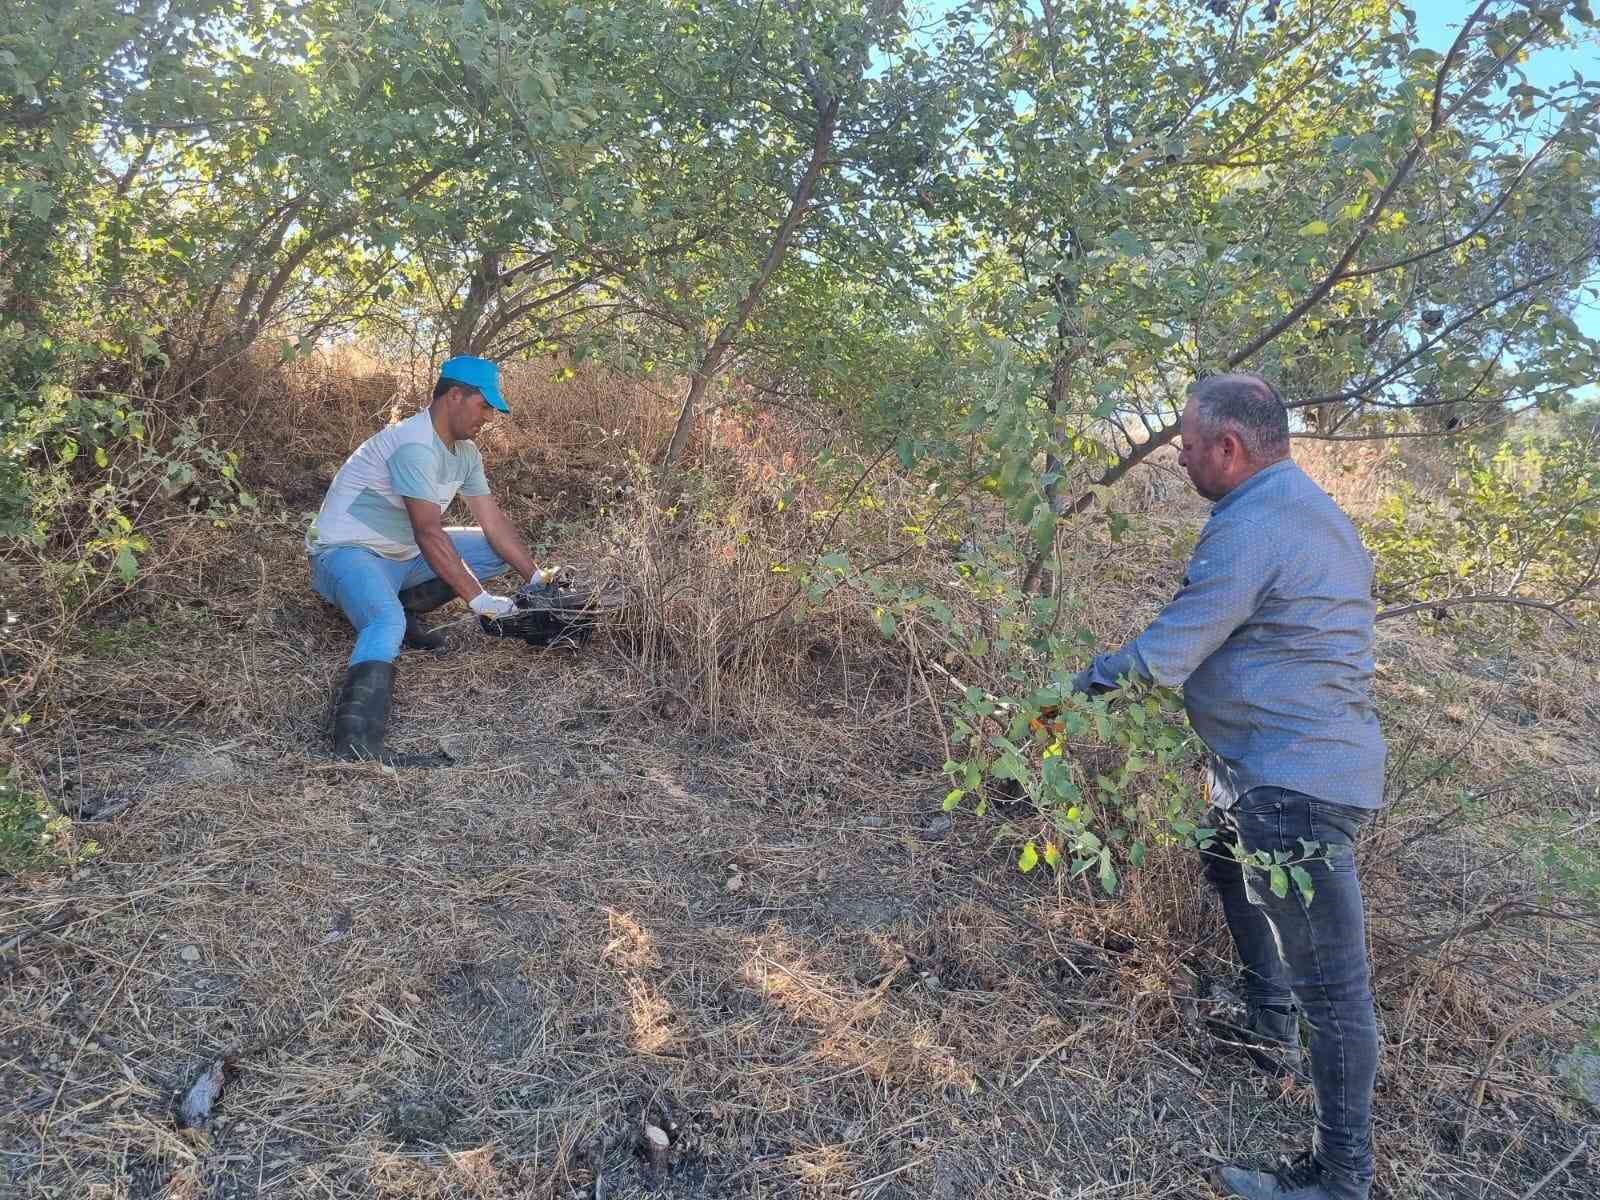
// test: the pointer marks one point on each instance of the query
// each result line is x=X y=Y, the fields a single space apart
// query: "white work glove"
x=486 y=605
x=545 y=576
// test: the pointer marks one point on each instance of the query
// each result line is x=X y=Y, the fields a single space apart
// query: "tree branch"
x=1550 y=606
x=798 y=208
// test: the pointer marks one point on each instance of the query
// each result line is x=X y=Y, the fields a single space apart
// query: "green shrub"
x=32 y=834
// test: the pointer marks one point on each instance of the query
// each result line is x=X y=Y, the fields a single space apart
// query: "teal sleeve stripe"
x=414 y=472
x=375 y=511
x=475 y=482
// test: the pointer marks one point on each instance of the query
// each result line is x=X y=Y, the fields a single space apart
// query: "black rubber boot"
x=425 y=597
x=1271 y=1038
x=361 y=719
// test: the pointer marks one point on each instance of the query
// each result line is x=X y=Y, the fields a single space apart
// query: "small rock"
x=194 y=1110
x=735 y=882
x=415 y=1120
x=656 y=1144
x=938 y=827
x=190 y=954
x=932 y=982
x=339 y=926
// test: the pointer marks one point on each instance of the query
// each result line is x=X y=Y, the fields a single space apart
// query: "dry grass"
x=677 y=879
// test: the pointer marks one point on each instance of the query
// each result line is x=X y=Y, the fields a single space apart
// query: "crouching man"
x=1271 y=638
x=380 y=549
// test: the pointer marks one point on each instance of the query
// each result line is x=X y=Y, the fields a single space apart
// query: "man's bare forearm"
x=440 y=553
x=505 y=542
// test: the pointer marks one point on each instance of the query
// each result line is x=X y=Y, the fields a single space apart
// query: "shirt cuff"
x=1102 y=674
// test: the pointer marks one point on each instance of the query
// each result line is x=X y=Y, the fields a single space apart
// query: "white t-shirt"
x=364 y=505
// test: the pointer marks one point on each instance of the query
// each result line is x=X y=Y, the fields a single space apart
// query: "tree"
x=1162 y=194
x=776 y=141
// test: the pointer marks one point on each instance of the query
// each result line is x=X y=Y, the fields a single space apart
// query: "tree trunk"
x=1066 y=355
x=712 y=359
x=1060 y=376
x=465 y=322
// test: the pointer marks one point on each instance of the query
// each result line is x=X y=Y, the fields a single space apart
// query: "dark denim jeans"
x=1313 y=953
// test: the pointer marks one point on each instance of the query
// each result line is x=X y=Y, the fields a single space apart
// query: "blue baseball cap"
x=478 y=373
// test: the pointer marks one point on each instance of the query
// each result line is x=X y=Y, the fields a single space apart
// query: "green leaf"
x=1108 y=873
x=1314 y=229
x=1044 y=529
x=1279 y=881
x=1052 y=854
x=127 y=565
x=1128 y=243
x=886 y=622
x=953 y=798
x=906 y=450
x=1302 y=882
x=1029 y=858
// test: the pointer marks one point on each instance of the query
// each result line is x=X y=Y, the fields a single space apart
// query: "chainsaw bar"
x=563 y=613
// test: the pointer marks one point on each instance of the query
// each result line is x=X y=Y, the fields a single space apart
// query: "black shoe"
x=425 y=597
x=1299 y=1178
x=361 y=719
x=1270 y=1037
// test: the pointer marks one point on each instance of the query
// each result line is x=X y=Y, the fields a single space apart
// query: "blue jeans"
x=367 y=586
x=1311 y=954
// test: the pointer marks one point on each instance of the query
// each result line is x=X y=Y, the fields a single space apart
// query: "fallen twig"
x=68 y=914
x=1583 y=1144
x=1511 y=1031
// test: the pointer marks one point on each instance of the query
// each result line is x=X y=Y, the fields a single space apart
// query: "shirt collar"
x=1249 y=485
x=427 y=415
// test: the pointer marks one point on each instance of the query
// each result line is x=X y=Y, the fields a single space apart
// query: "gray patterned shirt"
x=1270 y=638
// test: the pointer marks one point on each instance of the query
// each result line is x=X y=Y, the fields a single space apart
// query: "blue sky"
x=1438 y=22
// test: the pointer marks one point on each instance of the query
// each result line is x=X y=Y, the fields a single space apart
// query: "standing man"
x=380 y=549
x=1270 y=638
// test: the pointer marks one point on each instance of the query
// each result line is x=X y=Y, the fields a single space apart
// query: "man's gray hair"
x=1247 y=405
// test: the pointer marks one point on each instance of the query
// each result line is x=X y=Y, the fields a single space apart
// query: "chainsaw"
x=561 y=613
